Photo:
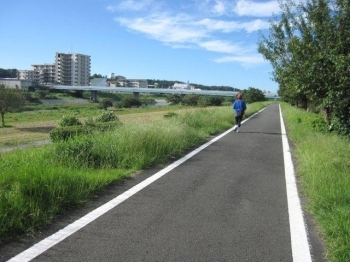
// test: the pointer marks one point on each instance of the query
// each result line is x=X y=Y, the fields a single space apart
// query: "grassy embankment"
x=37 y=121
x=323 y=168
x=38 y=183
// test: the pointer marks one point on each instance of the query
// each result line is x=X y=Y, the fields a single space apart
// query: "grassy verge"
x=38 y=183
x=30 y=126
x=323 y=168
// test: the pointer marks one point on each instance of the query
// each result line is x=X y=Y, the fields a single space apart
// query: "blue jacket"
x=239 y=107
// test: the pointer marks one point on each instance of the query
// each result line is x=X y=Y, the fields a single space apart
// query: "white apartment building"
x=44 y=74
x=72 y=69
x=25 y=75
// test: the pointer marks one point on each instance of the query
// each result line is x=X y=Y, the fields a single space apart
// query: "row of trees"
x=8 y=73
x=250 y=95
x=167 y=83
x=308 y=48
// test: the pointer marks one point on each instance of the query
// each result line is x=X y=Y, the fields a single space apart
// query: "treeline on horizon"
x=167 y=83
x=8 y=73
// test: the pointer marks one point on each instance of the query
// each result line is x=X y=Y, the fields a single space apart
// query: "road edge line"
x=298 y=234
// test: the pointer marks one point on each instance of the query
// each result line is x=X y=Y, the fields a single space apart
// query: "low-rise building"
x=25 y=75
x=186 y=86
x=44 y=73
x=137 y=83
x=16 y=83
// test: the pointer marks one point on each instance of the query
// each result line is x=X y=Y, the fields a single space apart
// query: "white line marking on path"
x=60 y=235
x=300 y=245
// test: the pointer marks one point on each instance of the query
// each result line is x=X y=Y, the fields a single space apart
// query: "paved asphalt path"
x=226 y=203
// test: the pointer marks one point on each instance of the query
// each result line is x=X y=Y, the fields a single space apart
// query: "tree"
x=129 y=101
x=10 y=99
x=8 y=73
x=173 y=99
x=252 y=95
x=190 y=100
x=308 y=48
x=96 y=76
x=215 y=100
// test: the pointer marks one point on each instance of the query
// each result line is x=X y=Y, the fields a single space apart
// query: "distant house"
x=186 y=86
x=116 y=83
x=98 y=82
x=16 y=83
x=137 y=83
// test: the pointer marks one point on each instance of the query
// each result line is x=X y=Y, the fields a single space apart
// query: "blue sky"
x=208 y=42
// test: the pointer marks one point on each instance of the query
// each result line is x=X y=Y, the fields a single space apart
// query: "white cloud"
x=166 y=28
x=258 y=9
x=246 y=60
x=220 y=46
x=219 y=7
x=195 y=30
x=232 y=26
x=255 y=25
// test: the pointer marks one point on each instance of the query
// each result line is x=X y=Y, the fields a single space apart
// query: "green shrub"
x=190 y=100
x=173 y=99
x=106 y=117
x=69 y=121
x=316 y=121
x=66 y=132
x=89 y=122
x=105 y=103
x=170 y=114
x=148 y=101
x=129 y=102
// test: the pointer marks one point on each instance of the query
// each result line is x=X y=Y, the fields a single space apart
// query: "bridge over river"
x=137 y=91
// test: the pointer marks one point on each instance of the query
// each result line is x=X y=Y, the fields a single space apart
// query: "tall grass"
x=323 y=168
x=36 y=184
x=33 y=189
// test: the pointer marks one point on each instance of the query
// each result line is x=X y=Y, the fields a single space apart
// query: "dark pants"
x=239 y=120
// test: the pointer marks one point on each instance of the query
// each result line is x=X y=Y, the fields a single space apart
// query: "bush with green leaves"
x=107 y=117
x=173 y=99
x=170 y=114
x=190 y=100
x=71 y=127
x=105 y=103
x=210 y=101
x=147 y=101
x=69 y=121
x=66 y=132
x=129 y=102
x=317 y=122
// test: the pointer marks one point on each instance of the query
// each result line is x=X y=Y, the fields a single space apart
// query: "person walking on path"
x=239 y=107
